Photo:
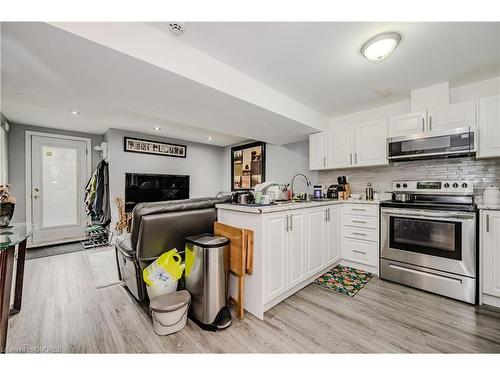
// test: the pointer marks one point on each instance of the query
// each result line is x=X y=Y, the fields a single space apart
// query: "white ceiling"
x=47 y=72
x=275 y=82
x=320 y=65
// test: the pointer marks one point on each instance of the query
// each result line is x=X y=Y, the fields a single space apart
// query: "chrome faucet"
x=308 y=183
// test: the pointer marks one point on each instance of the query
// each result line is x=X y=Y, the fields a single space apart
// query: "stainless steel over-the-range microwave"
x=448 y=143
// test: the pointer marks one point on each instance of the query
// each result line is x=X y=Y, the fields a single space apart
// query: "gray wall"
x=282 y=163
x=203 y=163
x=483 y=172
x=17 y=162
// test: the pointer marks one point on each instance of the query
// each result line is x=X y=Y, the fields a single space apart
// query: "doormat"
x=104 y=267
x=343 y=279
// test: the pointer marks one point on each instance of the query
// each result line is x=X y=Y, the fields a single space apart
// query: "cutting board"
x=237 y=248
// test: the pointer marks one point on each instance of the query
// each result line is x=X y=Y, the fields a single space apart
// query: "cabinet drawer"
x=361 y=233
x=361 y=209
x=361 y=251
x=361 y=221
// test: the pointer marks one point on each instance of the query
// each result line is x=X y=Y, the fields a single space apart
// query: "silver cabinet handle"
x=291 y=222
x=430 y=122
x=324 y=161
x=351 y=158
x=488 y=223
x=358 y=234
x=423 y=124
x=359 y=221
x=358 y=209
x=287 y=224
x=359 y=251
x=328 y=214
x=355 y=158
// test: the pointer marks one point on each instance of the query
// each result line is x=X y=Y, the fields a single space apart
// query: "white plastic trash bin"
x=169 y=312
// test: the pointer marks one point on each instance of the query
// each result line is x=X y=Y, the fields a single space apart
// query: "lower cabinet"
x=490 y=257
x=300 y=244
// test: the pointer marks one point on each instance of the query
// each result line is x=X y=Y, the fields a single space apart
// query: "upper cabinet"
x=342 y=150
x=459 y=115
x=452 y=116
x=355 y=146
x=319 y=150
x=410 y=123
x=489 y=127
x=371 y=143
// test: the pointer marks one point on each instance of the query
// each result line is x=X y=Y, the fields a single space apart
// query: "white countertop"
x=488 y=206
x=288 y=206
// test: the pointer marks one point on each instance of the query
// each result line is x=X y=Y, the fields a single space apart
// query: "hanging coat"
x=97 y=195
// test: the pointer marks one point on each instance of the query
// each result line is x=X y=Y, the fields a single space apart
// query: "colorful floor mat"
x=343 y=279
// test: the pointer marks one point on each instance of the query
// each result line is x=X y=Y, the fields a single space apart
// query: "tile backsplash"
x=483 y=172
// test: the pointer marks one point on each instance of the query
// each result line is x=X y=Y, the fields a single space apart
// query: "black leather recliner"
x=156 y=228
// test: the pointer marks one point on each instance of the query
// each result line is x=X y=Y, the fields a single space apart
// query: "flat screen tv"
x=140 y=187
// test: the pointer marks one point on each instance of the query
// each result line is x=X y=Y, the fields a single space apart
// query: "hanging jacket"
x=97 y=195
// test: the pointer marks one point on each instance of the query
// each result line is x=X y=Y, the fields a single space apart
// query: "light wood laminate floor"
x=63 y=311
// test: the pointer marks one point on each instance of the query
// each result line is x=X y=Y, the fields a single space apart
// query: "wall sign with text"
x=155 y=148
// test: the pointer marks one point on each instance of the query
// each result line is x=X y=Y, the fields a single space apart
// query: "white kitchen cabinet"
x=489 y=127
x=458 y=115
x=371 y=143
x=410 y=123
x=318 y=150
x=276 y=241
x=333 y=247
x=316 y=240
x=490 y=254
x=297 y=245
x=342 y=148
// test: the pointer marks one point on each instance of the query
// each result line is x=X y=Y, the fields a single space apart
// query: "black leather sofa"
x=158 y=227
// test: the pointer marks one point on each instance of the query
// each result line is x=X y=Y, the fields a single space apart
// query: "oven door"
x=440 y=240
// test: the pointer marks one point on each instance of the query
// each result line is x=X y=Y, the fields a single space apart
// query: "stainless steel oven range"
x=429 y=241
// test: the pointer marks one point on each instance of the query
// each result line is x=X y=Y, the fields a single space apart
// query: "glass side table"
x=14 y=235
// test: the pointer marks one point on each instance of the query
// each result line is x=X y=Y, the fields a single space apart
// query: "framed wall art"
x=143 y=146
x=248 y=165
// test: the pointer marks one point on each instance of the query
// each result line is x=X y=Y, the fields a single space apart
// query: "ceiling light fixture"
x=380 y=46
x=156 y=128
x=75 y=113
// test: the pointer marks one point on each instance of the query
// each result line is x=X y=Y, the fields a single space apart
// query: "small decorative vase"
x=6 y=212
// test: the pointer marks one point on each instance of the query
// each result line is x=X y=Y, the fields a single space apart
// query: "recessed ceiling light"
x=380 y=46
x=75 y=113
x=156 y=128
x=210 y=139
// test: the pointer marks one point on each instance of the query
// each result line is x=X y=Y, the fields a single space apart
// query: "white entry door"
x=59 y=172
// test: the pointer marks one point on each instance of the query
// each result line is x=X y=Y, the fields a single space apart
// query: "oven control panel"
x=433 y=187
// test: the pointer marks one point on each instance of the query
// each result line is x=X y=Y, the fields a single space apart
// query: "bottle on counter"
x=369 y=191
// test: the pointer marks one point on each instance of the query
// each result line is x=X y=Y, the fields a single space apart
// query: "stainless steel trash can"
x=207 y=276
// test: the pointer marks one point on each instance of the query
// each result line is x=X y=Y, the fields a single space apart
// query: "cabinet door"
x=490 y=231
x=296 y=248
x=341 y=148
x=489 y=127
x=410 y=123
x=276 y=248
x=317 y=150
x=333 y=235
x=371 y=143
x=452 y=116
x=315 y=240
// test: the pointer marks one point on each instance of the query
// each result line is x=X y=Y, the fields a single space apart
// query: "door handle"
x=423 y=124
x=355 y=158
x=324 y=161
x=328 y=214
x=351 y=158
x=287 y=224
x=430 y=122
x=291 y=222
x=488 y=223
x=36 y=192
